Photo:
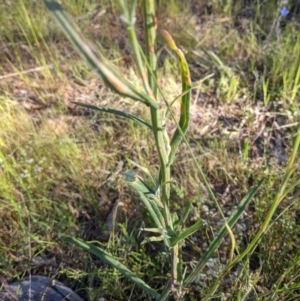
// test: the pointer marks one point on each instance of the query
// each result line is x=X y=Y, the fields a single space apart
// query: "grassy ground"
x=61 y=166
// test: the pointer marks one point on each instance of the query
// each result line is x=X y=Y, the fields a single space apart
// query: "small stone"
x=242 y=227
x=205 y=208
x=204 y=245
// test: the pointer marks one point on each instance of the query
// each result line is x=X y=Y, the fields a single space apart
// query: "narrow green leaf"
x=167 y=232
x=187 y=210
x=155 y=214
x=186 y=233
x=148 y=197
x=165 y=293
x=214 y=245
x=144 y=169
x=138 y=184
x=185 y=99
x=115 y=112
x=153 y=238
x=153 y=230
x=103 y=255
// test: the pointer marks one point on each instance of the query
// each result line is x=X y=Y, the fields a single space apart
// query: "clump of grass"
x=29 y=167
x=42 y=172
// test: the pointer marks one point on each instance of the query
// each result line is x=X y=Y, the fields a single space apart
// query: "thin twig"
x=36 y=69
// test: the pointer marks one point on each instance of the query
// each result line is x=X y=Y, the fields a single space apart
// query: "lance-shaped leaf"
x=115 y=112
x=165 y=293
x=101 y=67
x=180 y=223
x=185 y=99
x=138 y=184
x=106 y=257
x=145 y=170
x=186 y=233
x=147 y=195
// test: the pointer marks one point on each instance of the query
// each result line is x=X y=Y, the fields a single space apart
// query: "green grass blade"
x=111 y=78
x=165 y=293
x=186 y=233
x=145 y=170
x=134 y=181
x=183 y=219
x=115 y=112
x=157 y=218
x=103 y=255
x=214 y=245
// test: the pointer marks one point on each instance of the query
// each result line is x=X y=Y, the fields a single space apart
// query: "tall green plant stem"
x=150 y=38
x=150 y=83
x=156 y=118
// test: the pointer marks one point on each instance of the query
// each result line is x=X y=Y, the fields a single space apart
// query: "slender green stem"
x=150 y=86
x=129 y=19
x=156 y=117
x=150 y=38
